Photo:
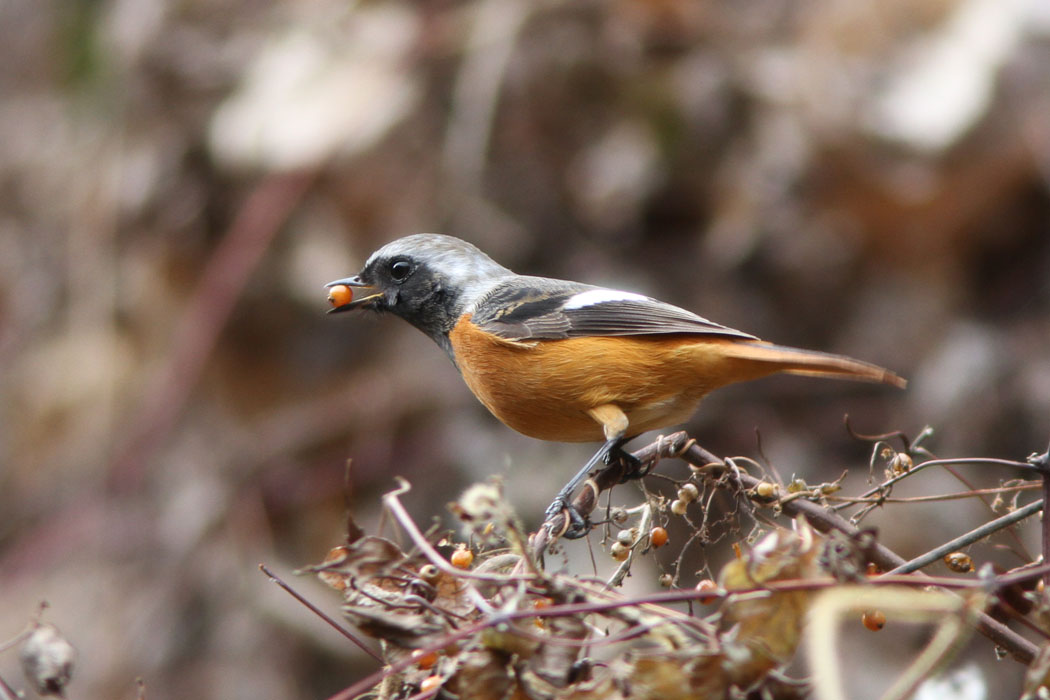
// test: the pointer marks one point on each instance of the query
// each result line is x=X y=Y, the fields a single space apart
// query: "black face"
x=411 y=290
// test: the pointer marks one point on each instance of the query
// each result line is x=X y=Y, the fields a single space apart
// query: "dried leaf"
x=763 y=631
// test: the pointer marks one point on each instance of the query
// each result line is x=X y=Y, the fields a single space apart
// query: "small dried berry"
x=462 y=558
x=688 y=493
x=874 y=620
x=707 y=585
x=424 y=660
x=959 y=562
x=765 y=489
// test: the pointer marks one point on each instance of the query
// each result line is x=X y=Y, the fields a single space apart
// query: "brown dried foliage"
x=510 y=629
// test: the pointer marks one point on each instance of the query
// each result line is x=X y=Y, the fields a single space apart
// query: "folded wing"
x=545 y=309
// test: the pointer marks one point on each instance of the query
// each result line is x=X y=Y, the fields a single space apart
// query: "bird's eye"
x=400 y=270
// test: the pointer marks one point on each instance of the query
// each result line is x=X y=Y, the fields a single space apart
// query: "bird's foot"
x=576 y=524
x=632 y=467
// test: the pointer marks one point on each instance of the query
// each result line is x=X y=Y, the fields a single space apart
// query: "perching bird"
x=565 y=361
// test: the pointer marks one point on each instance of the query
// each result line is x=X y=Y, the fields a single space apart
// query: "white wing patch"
x=599 y=296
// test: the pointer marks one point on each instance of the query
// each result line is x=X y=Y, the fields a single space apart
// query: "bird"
x=566 y=361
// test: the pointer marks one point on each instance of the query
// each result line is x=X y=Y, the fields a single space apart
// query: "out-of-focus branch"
x=194 y=337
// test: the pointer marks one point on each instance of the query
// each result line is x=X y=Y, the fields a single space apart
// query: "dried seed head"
x=901 y=463
x=47 y=660
x=482 y=503
x=688 y=493
x=429 y=573
x=765 y=489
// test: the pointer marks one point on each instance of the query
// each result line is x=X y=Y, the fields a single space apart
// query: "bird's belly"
x=545 y=388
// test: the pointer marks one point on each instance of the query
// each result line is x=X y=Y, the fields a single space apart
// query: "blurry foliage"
x=500 y=624
x=869 y=178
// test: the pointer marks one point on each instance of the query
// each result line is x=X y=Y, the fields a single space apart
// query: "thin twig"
x=17 y=639
x=8 y=692
x=881 y=437
x=1026 y=486
x=320 y=613
x=938 y=462
x=969 y=538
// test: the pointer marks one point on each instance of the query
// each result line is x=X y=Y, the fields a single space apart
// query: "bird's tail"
x=810 y=363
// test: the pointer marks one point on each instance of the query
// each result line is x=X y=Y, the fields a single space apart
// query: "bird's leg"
x=633 y=468
x=614 y=424
x=578 y=526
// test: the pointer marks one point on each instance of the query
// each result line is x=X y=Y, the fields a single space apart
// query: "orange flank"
x=597 y=387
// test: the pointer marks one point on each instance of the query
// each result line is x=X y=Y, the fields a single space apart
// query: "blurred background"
x=179 y=180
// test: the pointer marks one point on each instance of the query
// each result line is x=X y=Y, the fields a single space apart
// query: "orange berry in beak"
x=340 y=295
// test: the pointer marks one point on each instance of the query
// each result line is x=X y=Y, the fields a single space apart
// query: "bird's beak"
x=354 y=283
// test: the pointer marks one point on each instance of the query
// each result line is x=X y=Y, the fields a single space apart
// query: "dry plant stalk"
x=494 y=624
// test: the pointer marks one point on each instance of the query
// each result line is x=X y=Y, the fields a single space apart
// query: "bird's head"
x=427 y=279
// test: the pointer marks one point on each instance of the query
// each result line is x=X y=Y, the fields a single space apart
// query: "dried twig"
x=825 y=521
x=822 y=518
x=1042 y=464
x=320 y=613
x=7 y=691
x=969 y=538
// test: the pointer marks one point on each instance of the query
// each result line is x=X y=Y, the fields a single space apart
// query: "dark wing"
x=537 y=308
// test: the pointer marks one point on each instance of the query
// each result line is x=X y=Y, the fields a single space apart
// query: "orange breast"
x=544 y=388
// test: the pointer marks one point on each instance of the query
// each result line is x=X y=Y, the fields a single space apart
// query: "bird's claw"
x=576 y=524
x=633 y=468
